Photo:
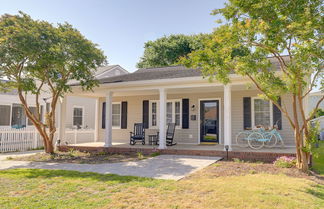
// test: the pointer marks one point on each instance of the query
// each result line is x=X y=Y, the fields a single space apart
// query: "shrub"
x=140 y=155
x=154 y=154
x=285 y=162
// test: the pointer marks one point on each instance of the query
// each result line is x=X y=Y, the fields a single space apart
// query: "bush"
x=154 y=154
x=140 y=155
x=285 y=162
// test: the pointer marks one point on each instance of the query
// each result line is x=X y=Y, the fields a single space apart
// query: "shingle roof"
x=164 y=73
x=153 y=74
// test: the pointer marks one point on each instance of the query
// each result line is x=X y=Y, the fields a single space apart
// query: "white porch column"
x=162 y=139
x=62 y=120
x=96 y=125
x=227 y=116
x=108 y=130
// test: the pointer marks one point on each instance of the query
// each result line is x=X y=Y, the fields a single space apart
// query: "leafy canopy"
x=167 y=50
x=33 y=52
x=37 y=57
x=257 y=29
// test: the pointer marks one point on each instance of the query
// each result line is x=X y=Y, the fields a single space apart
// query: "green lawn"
x=33 y=188
x=318 y=163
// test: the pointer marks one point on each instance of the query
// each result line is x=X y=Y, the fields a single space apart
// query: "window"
x=116 y=115
x=154 y=114
x=33 y=110
x=169 y=112
x=77 y=116
x=18 y=118
x=5 y=115
x=177 y=113
x=173 y=113
x=261 y=113
x=48 y=107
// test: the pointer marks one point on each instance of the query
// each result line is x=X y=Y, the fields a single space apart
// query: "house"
x=314 y=97
x=79 y=110
x=203 y=111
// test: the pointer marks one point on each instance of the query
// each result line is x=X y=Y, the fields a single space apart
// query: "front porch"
x=201 y=110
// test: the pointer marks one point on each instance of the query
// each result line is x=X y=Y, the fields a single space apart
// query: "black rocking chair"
x=169 y=134
x=138 y=134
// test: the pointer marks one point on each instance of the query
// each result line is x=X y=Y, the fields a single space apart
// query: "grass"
x=213 y=187
x=318 y=162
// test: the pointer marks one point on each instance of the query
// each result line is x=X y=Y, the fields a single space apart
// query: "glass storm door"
x=209 y=121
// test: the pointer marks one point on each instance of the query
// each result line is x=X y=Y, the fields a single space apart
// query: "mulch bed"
x=230 y=168
x=81 y=157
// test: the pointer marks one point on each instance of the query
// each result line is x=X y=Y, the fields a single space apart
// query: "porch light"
x=193 y=107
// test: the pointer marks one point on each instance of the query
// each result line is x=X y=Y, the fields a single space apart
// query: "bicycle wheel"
x=242 y=139
x=271 y=140
x=256 y=140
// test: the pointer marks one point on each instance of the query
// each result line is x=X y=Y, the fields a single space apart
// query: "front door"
x=209 y=121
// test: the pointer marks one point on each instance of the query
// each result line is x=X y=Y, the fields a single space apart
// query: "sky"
x=121 y=27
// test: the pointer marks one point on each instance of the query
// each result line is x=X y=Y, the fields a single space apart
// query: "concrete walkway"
x=172 y=167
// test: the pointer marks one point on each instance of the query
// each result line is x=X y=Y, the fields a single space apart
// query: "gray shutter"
x=277 y=118
x=124 y=115
x=146 y=113
x=103 y=116
x=247 y=120
x=185 y=113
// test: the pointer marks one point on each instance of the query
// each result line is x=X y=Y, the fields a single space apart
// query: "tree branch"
x=316 y=107
x=274 y=102
x=313 y=83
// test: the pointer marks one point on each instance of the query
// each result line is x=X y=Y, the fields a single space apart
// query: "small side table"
x=153 y=139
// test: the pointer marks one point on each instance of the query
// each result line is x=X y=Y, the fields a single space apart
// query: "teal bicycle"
x=259 y=138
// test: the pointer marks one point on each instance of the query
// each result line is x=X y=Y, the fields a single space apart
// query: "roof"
x=163 y=73
x=154 y=74
x=100 y=71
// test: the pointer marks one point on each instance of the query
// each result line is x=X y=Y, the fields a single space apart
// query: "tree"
x=167 y=50
x=255 y=30
x=37 y=57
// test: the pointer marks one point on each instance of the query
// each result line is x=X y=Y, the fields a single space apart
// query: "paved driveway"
x=172 y=167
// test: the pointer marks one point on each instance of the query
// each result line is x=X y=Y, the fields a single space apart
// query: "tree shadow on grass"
x=317 y=191
x=44 y=173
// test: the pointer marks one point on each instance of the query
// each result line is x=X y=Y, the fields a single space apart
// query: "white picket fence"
x=23 y=139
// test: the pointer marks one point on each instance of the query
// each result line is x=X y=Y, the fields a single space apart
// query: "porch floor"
x=218 y=147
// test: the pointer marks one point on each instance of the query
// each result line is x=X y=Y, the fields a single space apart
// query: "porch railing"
x=75 y=136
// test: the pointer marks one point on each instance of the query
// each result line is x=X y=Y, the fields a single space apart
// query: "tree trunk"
x=302 y=157
x=49 y=148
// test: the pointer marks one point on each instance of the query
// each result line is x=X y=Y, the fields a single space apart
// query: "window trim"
x=253 y=112
x=120 y=115
x=10 y=105
x=158 y=112
x=77 y=106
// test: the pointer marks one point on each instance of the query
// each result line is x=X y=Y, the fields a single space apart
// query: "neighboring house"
x=80 y=111
x=11 y=111
x=313 y=99
x=203 y=111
